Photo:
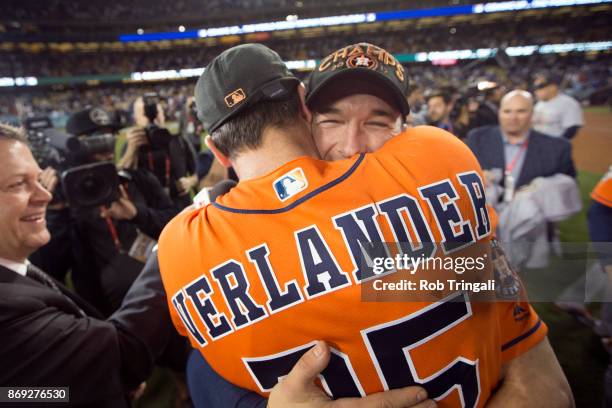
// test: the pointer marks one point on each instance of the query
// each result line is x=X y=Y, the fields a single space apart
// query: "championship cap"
x=367 y=63
x=90 y=120
x=238 y=78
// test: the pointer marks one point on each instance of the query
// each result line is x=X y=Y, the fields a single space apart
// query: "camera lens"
x=92 y=187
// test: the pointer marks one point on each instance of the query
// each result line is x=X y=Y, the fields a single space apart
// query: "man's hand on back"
x=298 y=389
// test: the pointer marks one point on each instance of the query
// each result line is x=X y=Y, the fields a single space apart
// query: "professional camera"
x=46 y=143
x=90 y=145
x=91 y=185
x=159 y=138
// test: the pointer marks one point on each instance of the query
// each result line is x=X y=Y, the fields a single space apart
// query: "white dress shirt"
x=19 y=267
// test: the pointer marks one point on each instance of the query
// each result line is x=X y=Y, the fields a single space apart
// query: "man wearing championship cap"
x=285 y=272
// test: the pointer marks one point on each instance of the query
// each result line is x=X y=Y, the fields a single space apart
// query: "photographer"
x=476 y=106
x=104 y=246
x=149 y=145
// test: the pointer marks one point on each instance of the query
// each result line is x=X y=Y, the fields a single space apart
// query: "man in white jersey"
x=556 y=114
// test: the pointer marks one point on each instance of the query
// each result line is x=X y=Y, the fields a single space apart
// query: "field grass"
x=598 y=109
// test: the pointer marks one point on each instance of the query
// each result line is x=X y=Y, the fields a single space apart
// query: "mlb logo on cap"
x=235 y=98
x=290 y=184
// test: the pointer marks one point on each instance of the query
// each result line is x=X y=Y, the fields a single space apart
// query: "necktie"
x=35 y=273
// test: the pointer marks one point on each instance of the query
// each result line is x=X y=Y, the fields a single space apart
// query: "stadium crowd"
x=583 y=78
x=496 y=34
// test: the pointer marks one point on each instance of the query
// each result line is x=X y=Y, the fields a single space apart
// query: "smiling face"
x=23 y=202
x=358 y=123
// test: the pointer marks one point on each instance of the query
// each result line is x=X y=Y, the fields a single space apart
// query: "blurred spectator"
x=439 y=107
x=555 y=114
x=489 y=95
x=514 y=156
x=418 y=107
x=151 y=146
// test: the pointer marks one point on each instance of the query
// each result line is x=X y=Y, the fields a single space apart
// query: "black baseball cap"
x=542 y=80
x=238 y=78
x=367 y=63
x=91 y=120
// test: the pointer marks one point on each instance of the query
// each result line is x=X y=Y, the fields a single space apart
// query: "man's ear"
x=223 y=159
x=306 y=113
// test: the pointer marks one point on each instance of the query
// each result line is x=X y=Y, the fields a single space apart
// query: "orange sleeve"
x=602 y=192
x=521 y=328
x=494 y=219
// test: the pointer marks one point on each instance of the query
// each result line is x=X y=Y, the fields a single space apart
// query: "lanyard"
x=113 y=231
x=166 y=166
x=516 y=157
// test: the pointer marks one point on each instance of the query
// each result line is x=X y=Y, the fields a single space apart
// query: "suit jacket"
x=46 y=342
x=545 y=155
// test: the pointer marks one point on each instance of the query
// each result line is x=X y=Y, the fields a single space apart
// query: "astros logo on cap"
x=362 y=61
x=235 y=98
x=362 y=55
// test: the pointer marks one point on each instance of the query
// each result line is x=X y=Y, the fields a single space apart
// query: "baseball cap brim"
x=375 y=77
x=261 y=93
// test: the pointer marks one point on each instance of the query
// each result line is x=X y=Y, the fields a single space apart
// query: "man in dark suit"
x=520 y=153
x=50 y=337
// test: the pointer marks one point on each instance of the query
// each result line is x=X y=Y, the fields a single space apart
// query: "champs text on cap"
x=362 y=56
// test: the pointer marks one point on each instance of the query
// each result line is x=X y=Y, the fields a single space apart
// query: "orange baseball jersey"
x=602 y=193
x=255 y=277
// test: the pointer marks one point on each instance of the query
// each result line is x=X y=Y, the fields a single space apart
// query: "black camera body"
x=91 y=185
x=47 y=144
x=90 y=145
x=158 y=138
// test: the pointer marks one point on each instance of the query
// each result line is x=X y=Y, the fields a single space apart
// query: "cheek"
x=376 y=140
x=325 y=139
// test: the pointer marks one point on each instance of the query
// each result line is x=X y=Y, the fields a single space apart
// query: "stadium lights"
x=290 y=23
x=531 y=4
x=20 y=81
x=435 y=57
x=196 y=72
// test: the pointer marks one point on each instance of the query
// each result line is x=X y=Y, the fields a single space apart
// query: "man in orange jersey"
x=287 y=274
x=600 y=231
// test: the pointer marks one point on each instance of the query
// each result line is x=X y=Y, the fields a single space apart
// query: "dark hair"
x=246 y=129
x=445 y=95
x=413 y=87
x=12 y=133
